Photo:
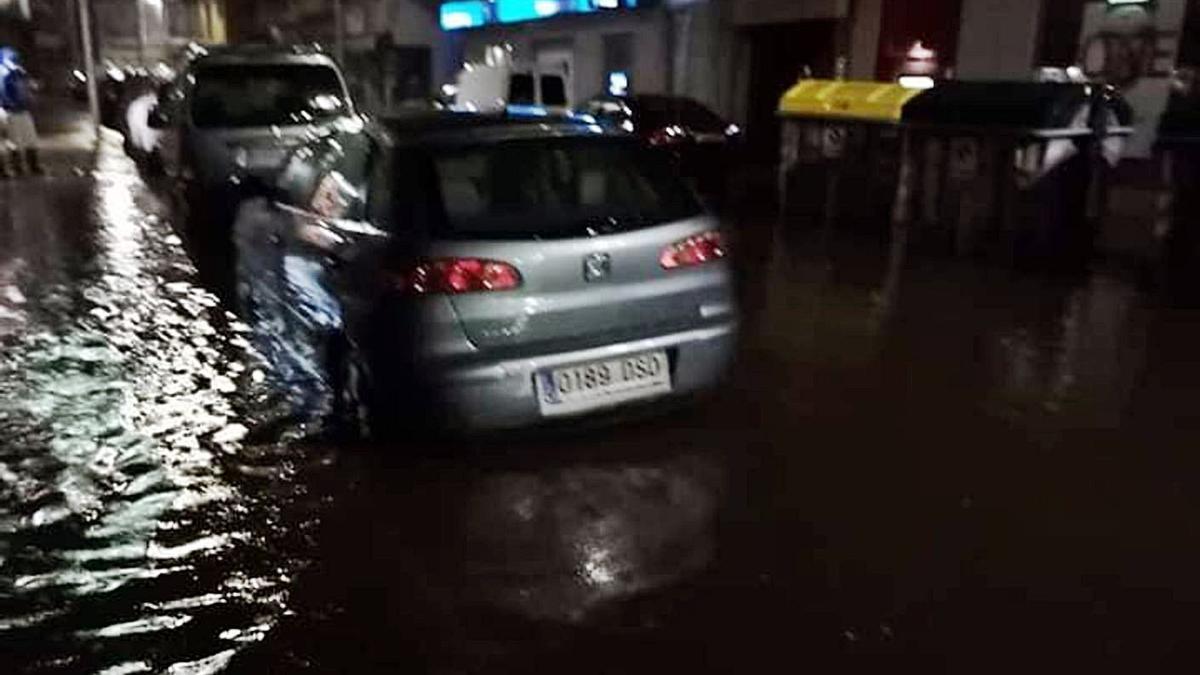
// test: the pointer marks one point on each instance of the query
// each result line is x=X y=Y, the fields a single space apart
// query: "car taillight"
x=458 y=275
x=695 y=250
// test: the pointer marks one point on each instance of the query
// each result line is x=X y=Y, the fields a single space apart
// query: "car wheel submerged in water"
x=349 y=381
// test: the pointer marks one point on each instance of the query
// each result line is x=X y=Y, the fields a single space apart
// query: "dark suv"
x=706 y=145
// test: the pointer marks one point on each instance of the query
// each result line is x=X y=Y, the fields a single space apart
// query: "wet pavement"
x=954 y=464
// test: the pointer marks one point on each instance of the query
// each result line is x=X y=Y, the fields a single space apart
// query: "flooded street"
x=961 y=465
x=140 y=534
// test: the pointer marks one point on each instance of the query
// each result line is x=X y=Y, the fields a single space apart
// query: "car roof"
x=446 y=126
x=271 y=54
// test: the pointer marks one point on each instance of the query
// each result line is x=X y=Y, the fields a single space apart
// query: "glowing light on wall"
x=618 y=83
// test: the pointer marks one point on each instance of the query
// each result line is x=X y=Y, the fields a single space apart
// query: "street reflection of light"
x=598 y=567
x=117 y=210
x=207 y=544
x=125 y=386
x=210 y=665
x=152 y=624
x=12 y=300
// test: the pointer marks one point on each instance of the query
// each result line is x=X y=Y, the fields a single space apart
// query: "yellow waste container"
x=840 y=153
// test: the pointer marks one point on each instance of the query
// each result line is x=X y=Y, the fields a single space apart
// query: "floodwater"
x=961 y=465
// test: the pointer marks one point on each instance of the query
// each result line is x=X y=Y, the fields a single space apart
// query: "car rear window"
x=552 y=188
x=265 y=95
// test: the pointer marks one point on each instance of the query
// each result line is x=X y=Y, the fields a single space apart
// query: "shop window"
x=520 y=89
x=554 y=90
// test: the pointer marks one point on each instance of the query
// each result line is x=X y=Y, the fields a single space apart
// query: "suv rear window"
x=263 y=95
x=552 y=188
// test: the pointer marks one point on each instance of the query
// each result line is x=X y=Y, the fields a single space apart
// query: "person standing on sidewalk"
x=16 y=96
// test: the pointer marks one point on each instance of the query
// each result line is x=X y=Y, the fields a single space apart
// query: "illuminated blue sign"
x=459 y=14
x=464 y=14
x=508 y=11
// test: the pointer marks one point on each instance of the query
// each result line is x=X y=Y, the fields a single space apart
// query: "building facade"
x=149 y=31
x=42 y=31
x=738 y=56
x=393 y=50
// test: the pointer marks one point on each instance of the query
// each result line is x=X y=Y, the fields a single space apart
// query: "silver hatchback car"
x=239 y=110
x=486 y=271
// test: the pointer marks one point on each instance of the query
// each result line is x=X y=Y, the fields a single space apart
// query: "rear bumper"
x=501 y=394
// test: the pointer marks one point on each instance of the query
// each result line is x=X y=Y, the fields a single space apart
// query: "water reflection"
x=868 y=478
x=119 y=521
x=1073 y=351
x=473 y=557
x=556 y=544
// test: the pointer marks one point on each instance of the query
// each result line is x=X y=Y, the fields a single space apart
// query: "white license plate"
x=599 y=384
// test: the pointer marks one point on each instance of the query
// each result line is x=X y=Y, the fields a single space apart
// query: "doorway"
x=779 y=54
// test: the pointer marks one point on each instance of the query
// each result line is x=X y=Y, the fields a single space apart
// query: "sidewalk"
x=67 y=139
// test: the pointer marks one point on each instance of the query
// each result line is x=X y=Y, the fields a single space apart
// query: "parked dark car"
x=706 y=145
x=486 y=271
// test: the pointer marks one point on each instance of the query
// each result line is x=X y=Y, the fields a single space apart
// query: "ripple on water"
x=129 y=546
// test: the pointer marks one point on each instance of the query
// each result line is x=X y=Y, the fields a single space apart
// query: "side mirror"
x=158 y=119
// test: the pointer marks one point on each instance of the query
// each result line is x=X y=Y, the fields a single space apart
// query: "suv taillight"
x=458 y=275
x=695 y=250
